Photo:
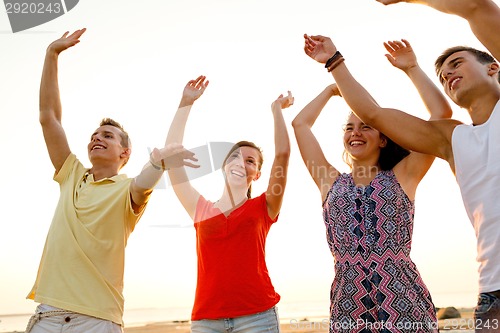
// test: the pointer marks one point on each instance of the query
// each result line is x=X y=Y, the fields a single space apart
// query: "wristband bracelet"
x=156 y=166
x=335 y=64
x=334 y=57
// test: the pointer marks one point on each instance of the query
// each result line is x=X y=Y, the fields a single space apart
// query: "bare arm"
x=429 y=137
x=402 y=56
x=322 y=172
x=483 y=17
x=277 y=180
x=168 y=157
x=186 y=193
x=50 y=102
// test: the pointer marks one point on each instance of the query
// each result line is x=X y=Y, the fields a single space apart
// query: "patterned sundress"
x=377 y=288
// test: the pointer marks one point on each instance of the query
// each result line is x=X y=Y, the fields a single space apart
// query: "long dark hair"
x=238 y=145
x=391 y=154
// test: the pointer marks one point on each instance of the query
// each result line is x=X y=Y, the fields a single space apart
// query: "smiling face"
x=106 y=146
x=362 y=142
x=242 y=166
x=465 y=74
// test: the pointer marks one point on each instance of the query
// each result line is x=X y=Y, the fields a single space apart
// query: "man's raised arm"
x=483 y=17
x=50 y=102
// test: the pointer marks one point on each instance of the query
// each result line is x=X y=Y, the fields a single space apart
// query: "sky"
x=132 y=65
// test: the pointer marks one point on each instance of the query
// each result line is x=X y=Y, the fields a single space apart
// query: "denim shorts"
x=262 y=322
x=487 y=313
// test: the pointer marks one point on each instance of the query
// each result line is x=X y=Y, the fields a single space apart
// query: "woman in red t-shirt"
x=234 y=291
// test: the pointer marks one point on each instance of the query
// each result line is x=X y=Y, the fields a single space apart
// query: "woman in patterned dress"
x=369 y=213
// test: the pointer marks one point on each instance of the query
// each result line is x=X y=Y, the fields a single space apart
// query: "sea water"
x=132 y=317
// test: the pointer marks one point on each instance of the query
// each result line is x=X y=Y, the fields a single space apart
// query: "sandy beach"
x=302 y=325
x=305 y=325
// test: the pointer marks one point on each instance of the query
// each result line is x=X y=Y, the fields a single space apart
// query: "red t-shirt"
x=233 y=280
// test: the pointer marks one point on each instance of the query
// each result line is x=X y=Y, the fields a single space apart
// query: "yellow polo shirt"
x=82 y=264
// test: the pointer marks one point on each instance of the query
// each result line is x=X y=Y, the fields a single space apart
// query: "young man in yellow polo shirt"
x=80 y=278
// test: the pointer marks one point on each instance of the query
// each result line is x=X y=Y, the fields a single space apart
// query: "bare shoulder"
x=445 y=126
x=444 y=131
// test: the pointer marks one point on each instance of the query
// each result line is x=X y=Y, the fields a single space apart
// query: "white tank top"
x=476 y=151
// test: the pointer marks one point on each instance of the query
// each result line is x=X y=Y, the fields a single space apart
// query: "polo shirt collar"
x=88 y=177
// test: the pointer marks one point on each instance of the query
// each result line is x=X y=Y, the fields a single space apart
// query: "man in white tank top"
x=470 y=78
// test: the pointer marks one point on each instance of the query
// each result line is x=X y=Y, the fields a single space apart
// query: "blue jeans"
x=487 y=313
x=262 y=322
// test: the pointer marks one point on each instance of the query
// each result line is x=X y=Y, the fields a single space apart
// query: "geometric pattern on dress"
x=377 y=287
